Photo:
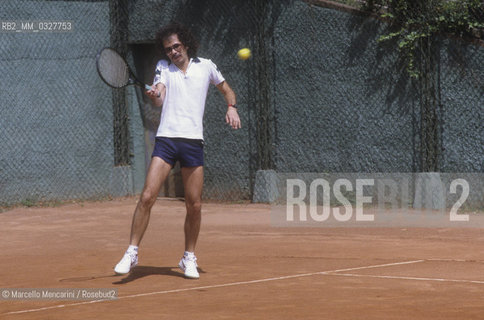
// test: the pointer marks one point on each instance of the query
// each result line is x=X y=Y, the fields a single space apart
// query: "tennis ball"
x=244 y=54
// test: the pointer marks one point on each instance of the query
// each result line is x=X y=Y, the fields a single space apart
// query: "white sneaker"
x=128 y=262
x=189 y=266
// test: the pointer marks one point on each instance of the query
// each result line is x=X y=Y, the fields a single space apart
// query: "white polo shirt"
x=186 y=93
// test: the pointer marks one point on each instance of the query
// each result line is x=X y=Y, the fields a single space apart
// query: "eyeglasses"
x=175 y=47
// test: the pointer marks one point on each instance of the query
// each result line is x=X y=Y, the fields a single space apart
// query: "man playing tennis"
x=180 y=85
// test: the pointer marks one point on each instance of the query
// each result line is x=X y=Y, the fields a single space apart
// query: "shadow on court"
x=137 y=273
x=144 y=271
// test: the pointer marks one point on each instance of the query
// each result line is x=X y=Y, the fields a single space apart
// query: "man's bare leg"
x=157 y=173
x=193 y=185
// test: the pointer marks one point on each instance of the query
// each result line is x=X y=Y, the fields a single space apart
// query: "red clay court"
x=248 y=269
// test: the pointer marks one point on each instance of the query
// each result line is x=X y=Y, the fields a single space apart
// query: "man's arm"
x=157 y=94
x=232 y=116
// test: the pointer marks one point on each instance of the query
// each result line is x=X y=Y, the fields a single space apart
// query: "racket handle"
x=147 y=87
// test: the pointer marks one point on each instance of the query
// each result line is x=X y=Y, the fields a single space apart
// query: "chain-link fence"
x=56 y=137
x=320 y=94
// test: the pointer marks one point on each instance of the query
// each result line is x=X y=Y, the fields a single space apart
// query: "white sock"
x=132 y=248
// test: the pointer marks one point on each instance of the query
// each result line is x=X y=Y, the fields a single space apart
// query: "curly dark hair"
x=184 y=35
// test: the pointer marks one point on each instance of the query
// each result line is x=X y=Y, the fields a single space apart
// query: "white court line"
x=331 y=272
x=407 y=278
x=375 y=266
x=451 y=260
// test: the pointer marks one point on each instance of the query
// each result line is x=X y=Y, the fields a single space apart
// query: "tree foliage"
x=412 y=21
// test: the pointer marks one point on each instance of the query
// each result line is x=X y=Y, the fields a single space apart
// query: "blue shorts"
x=188 y=151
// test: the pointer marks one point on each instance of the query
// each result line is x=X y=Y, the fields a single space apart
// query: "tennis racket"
x=114 y=70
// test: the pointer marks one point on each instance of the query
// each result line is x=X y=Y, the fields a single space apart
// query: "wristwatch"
x=233 y=106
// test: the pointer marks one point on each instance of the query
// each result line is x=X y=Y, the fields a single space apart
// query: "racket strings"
x=113 y=69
